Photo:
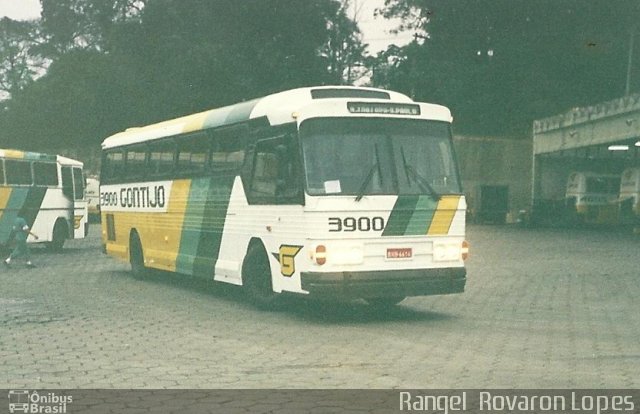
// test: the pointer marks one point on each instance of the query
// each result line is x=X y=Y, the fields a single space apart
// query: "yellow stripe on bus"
x=176 y=209
x=443 y=217
x=5 y=194
x=159 y=233
x=195 y=122
x=13 y=154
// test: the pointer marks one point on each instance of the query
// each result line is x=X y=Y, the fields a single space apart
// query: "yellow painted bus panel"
x=443 y=217
x=5 y=193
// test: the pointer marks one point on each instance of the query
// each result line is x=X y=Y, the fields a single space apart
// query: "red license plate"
x=403 y=253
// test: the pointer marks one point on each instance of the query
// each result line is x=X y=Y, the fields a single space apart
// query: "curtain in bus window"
x=113 y=166
x=135 y=164
x=161 y=158
x=18 y=172
x=227 y=152
x=45 y=174
x=192 y=154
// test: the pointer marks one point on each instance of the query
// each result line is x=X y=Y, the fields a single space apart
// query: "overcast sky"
x=20 y=9
x=375 y=30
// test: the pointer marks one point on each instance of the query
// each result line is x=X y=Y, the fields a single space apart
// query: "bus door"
x=73 y=190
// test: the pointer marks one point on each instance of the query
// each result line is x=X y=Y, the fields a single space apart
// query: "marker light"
x=465 y=250
x=321 y=255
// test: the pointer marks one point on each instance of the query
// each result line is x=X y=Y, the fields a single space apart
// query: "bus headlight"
x=450 y=251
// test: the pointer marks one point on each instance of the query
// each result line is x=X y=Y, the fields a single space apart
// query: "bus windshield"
x=368 y=156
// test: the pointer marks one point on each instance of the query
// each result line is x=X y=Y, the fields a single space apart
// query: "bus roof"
x=38 y=156
x=69 y=161
x=277 y=108
x=26 y=155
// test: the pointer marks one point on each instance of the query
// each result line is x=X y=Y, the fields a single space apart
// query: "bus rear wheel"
x=58 y=237
x=136 y=257
x=256 y=278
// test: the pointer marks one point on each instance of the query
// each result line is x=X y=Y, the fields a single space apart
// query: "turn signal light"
x=321 y=255
x=465 y=250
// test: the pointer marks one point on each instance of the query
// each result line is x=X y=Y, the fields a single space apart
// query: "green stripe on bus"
x=203 y=225
x=231 y=115
x=192 y=225
x=215 y=213
x=32 y=204
x=400 y=216
x=36 y=156
x=11 y=210
x=422 y=216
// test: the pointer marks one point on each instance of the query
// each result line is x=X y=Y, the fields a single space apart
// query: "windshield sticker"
x=332 y=187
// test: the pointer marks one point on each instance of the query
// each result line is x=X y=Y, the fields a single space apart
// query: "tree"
x=83 y=24
x=18 y=66
x=345 y=52
x=500 y=64
x=123 y=63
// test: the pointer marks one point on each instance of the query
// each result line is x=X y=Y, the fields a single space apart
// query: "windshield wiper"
x=419 y=179
x=367 y=180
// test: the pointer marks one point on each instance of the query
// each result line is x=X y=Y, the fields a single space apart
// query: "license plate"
x=402 y=253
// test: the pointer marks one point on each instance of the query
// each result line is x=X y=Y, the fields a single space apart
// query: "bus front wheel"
x=136 y=257
x=256 y=278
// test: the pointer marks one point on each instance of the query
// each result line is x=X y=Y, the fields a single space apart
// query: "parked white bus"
x=47 y=191
x=593 y=197
x=92 y=194
x=328 y=191
x=630 y=196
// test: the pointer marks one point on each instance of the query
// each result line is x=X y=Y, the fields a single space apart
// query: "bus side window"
x=228 y=149
x=192 y=154
x=1 y=172
x=18 y=172
x=136 y=160
x=45 y=174
x=161 y=159
x=78 y=183
x=112 y=166
x=273 y=179
x=67 y=182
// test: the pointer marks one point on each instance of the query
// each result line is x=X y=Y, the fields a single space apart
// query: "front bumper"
x=389 y=283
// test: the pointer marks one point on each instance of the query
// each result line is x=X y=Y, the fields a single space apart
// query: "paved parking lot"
x=543 y=308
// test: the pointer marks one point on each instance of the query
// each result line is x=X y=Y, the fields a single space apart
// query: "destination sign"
x=383 y=108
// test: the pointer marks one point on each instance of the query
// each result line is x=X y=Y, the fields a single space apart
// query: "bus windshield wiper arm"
x=419 y=179
x=369 y=176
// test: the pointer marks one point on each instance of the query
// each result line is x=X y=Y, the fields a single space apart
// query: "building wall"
x=504 y=162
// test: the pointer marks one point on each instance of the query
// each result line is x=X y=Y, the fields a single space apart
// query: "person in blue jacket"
x=21 y=232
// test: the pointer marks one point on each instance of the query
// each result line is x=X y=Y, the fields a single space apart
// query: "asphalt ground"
x=543 y=308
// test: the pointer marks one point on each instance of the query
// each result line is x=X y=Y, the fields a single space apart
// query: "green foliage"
x=500 y=64
x=123 y=63
x=18 y=66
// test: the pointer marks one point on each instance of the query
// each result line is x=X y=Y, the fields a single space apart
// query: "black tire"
x=59 y=236
x=385 y=302
x=256 y=279
x=136 y=257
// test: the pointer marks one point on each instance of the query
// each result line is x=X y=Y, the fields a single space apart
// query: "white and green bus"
x=47 y=191
x=337 y=192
